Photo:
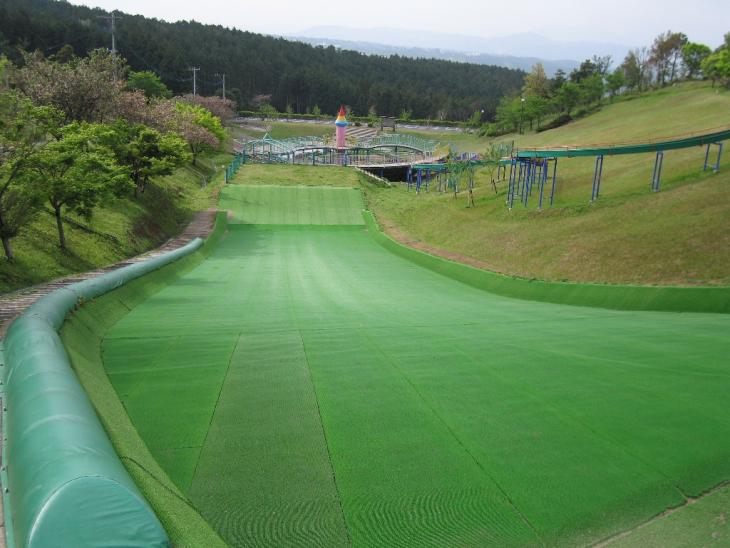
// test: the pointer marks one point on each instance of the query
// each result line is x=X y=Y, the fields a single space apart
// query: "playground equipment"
x=341 y=125
x=379 y=151
x=529 y=166
x=370 y=152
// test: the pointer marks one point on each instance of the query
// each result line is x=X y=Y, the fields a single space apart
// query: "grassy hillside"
x=121 y=228
x=631 y=235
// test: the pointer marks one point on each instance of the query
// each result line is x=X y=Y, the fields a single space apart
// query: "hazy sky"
x=629 y=22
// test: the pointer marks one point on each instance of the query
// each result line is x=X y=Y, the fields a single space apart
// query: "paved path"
x=14 y=303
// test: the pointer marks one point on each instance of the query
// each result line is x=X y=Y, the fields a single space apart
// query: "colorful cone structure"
x=341 y=124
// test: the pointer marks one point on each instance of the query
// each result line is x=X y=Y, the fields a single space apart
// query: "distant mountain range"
x=519 y=51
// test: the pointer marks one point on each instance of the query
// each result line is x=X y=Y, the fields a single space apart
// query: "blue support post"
x=719 y=153
x=511 y=184
x=555 y=173
x=543 y=180
x=597 y=178
x=716 y=167
x=657 y=175
x=419 y=180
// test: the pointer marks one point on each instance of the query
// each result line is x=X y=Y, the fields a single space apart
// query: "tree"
x=65 y=54
x=602 y=64
x=665 y=52
x=23 y=127
x=84 y=89
x=635 y=68
x=199 y=128
x=225 y=109
x=536 y=82
x=591 y=89
x=475 y=120
x=149 y=83
x=615 y=81
x=76 y=171
x=146 y=152
x=536 y=107
x=587 y=68
x=557 y=81
x=692 y=55
x=268 y=111
x=716 y=66
x=508 y=113
x=567 y=97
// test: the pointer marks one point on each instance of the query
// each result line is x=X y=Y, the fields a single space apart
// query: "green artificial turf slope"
x=304 y=386
x=293 y=205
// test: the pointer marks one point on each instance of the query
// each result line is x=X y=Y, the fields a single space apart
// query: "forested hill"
x=293 y=73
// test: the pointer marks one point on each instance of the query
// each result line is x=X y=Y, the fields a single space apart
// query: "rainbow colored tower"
x=341 y=124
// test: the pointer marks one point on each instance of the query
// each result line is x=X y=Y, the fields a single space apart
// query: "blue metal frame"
x=597 y=178
x=716 y=167
x=656 y=177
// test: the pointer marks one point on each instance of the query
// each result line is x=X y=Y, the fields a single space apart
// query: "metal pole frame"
x=716 y=167
x=511 y=183
x=543 y=180
x=657 y=175
x=597 y=178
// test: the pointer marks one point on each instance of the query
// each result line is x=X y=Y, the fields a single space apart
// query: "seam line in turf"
x=479 y=465
x=215 y=408
x=326 y=442
x=295 y=319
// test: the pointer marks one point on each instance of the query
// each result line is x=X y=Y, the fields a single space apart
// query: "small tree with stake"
x=77 y=171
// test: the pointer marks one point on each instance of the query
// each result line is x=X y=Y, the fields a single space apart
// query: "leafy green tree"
x=568 y=97
x=587 y=68
x=692 y=55
x=557 y=81
x=149 y=83
x=508 y=113
x=146 y=152
x=268 y=111
x=536 y=82
x=536 y=108
x=716 y=66
x=615 y=81
x=316 y=111
x=23 y=127
x=77 y=171
x=591 y=89
x=475 y=120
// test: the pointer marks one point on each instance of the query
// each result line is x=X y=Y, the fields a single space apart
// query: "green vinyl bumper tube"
x=65 y=484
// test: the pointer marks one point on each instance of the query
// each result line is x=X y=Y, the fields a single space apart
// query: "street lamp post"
x=522 y=112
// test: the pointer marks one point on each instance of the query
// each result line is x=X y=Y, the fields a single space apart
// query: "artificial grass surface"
x=293 y=205
x=337 y=394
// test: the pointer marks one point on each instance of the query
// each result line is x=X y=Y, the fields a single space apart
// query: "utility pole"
x=112 y=21
x=195 y=82
x=223 y=94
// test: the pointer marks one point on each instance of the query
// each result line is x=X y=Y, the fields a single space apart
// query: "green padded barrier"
x=67 y=486
x=617 y=297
